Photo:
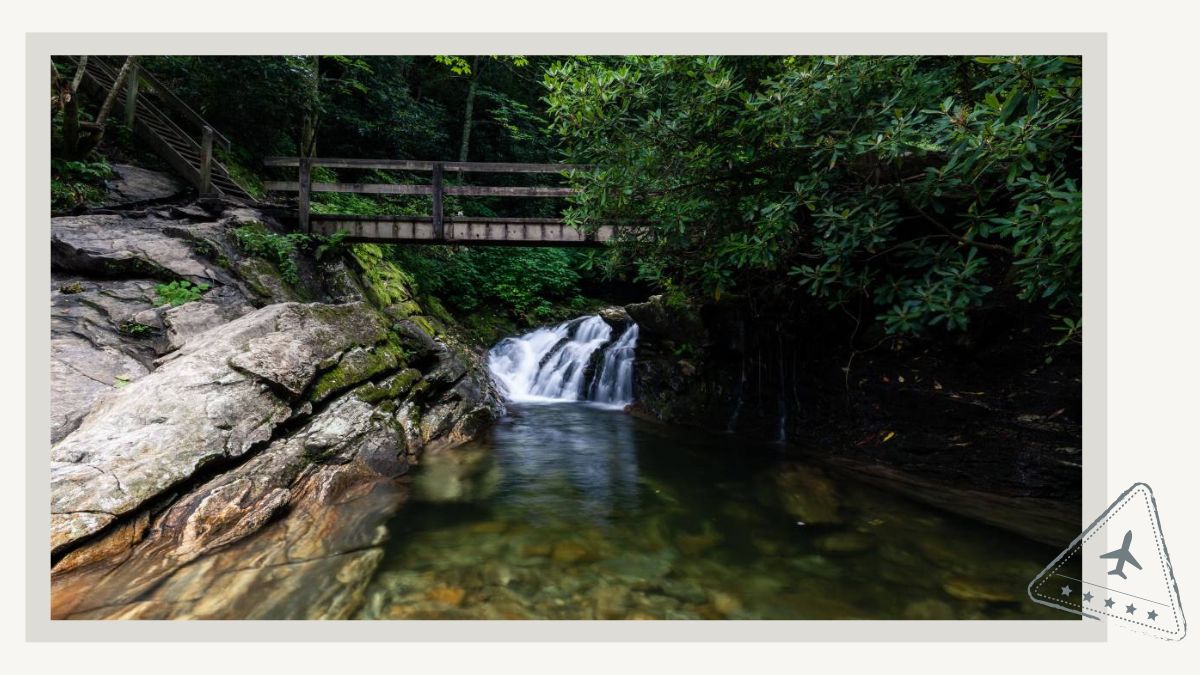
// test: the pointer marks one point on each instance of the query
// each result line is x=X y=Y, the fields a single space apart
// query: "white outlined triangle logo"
x=1118 y=570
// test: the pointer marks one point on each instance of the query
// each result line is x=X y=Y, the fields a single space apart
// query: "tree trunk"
x=308 y=134
x=75 y=146
x=106 y=107
x=469 y=111
x=68 y=101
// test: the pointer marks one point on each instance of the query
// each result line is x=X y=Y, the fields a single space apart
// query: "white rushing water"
x=552 y=364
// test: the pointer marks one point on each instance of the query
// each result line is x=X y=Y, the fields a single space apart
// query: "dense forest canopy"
x=925 y=185
x=911 y=190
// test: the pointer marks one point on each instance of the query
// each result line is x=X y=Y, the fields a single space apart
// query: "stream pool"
x=571 y=510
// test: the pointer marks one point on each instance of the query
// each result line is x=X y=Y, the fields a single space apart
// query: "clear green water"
x=570 y=511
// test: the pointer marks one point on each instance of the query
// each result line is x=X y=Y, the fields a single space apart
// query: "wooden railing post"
x=206 y=149
x=439 y=226
x=131 y=94
x=305 y=194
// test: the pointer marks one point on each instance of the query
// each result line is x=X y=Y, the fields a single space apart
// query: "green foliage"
x=137 y=330
x=331 y=245
x=278 y=249
x=920 y=185
x=179 y=292
x=238 y=163
x=526 y=282
x=77 y=183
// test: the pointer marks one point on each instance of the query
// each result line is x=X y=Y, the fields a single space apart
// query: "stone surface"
x=195 y=474
x=617 y=317
x=93 y=350
x=141 y=245
x=222 y=552
x=807 y=494
x=212 y=400
x=134 y=185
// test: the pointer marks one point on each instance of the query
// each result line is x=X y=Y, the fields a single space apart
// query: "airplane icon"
x=1122 y=556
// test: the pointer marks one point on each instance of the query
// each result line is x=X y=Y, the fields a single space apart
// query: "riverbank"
x=234 y=415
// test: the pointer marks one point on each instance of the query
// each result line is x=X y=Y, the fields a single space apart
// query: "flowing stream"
x=569 y=508
x=577 y=360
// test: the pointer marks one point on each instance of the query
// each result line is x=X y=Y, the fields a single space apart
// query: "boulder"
x=135 y=185
x=658 y=321
x=416 y=340
x=222 y=393
x=617 y=317
x=806 y=494
x=125 y=246
x=214 y=460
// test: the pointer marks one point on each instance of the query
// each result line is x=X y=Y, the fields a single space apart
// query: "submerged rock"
x=929 y=610
x=971 y=589
x=845 y=543
x=806 y=494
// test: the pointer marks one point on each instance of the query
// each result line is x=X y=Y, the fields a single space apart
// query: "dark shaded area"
x=995 y=411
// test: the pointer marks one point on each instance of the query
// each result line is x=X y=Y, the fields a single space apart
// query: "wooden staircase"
x=183 y=151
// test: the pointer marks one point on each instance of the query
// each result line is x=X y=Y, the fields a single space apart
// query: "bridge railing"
x=436 y=188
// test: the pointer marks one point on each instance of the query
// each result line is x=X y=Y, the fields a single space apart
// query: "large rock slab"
x=101 y=338
x=135 y=185
x=109 y=245
x=225 y=391
x=220 y=551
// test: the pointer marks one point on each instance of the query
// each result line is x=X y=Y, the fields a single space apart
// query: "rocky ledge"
x=237 y=455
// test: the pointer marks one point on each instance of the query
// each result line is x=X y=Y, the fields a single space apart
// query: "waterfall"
x=572 y=361
x=613 y=382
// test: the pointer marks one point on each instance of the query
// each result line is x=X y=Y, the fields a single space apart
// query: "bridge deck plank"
x=464 y=231
x=425 y=165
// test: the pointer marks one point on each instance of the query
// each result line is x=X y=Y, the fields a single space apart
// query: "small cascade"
x=552 y=364
x=613 y=382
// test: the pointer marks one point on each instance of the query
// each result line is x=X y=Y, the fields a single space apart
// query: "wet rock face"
x=221 y=461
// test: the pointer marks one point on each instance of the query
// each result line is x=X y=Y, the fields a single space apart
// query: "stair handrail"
x=164 y=93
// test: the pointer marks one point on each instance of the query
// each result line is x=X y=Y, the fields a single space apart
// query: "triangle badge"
x=1118 y=570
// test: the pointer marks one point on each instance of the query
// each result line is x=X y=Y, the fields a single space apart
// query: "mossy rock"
x=415 y=337
x=429 y=324
x=358 y=365
x=405 y=309
x=386 y=285
x=265 y=281
x=391 y=388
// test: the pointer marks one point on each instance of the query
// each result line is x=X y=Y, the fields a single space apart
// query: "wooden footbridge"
x=186 y=142
x=438 y=227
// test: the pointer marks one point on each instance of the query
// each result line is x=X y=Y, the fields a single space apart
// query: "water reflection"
x=571 y=510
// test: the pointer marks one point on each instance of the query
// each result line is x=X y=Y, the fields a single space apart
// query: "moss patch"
x=386 y=285
x=357 y=366
x=392 y=387
x=429 y=324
